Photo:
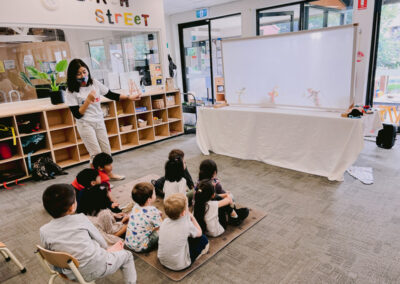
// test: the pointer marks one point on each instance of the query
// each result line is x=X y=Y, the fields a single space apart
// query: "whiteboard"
x=305 y=69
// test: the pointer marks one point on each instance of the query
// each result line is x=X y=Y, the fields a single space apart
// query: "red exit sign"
x=362 y=4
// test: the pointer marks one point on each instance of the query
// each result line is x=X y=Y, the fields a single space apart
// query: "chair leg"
x=77 y=274
x=51 y=280
x=7 y=258
x=15 y=260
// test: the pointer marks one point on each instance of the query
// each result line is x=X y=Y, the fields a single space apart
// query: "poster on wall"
x=9 y=64
x=28 y=60
x=2 y=70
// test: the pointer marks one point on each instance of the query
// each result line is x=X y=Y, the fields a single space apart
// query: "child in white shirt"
x=175 y=181
x=181 y=241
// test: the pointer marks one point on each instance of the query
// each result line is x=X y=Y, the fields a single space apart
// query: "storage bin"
x=170 y=100
x=158 y=104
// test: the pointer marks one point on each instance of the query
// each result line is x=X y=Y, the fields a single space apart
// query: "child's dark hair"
x=203 y=194
x=86 y=176
x=58 y=198
x=72 y=84
x=141 y=192
x=174 y=170
x=175 y=154
x=207 y=169
x=101 y=160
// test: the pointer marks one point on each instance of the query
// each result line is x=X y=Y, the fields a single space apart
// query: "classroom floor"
x=316 y=231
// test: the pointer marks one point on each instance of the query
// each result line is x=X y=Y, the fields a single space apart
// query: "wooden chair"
x=61 y=260
x=8 y=255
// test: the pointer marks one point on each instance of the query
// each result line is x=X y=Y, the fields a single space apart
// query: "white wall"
x=76 y=14
x=248 y=8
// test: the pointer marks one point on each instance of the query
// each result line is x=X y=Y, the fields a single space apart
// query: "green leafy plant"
x=61 y=66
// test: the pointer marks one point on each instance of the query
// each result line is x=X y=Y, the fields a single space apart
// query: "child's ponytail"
x=203 y=194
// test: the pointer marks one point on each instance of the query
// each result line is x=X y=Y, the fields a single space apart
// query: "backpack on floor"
x=44 y=168
x=386 y=136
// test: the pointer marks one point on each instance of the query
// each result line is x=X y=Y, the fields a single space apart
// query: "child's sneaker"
x=234 y=221
x=242 y=213
x=204 y=251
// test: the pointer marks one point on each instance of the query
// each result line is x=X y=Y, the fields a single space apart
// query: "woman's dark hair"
x=203 y=194
x=207 y=169
x=72 y=84
x=174 y=170
x=101 y=160
x=58 y=198
x=86 y=176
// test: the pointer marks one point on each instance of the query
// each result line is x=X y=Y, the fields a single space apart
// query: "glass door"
x=196 y=59
x=386 y=78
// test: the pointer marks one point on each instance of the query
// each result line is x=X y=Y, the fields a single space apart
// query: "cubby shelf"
x=63 y=142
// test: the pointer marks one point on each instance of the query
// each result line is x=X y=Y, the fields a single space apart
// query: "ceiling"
x=179 y=6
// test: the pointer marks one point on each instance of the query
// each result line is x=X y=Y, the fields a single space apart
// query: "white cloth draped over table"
x=315 y=142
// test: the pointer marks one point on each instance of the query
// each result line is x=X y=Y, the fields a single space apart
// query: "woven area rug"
x=123 y=195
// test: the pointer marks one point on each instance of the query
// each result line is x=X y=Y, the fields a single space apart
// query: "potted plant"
x=56 y=94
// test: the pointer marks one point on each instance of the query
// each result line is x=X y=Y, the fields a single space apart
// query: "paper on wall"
x=9 y=64
x=2 y=70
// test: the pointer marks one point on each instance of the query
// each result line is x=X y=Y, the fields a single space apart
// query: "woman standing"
x=83 y=98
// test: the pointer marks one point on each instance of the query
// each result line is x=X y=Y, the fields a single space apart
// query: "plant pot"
x=57 y=97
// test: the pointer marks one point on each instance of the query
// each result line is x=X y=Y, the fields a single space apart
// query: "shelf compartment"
x=78 y=137
x=28 y=122
x=158 y=102
x=115 y=144
x=175 y=128
x=42 y=146
x=83 y=153
x=111 y=109
x=63 y=138
x=127 y=120
x=12 y=171
x=67 y=156
x=175 y=112
x=173 y=99
x=129 y=140
x=147 y=117
x=161 y=131
x=111 y=126
x=161 y=114
x=58 y=119
x=16 y=151
x=146 y=136
x=125 y=107
x=143 y=102
x=8 y=122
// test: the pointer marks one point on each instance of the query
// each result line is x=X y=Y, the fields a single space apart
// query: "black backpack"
x=386 y=136
x=44 y=168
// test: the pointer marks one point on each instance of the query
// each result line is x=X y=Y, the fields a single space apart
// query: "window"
x=304 y=16
x=97 y=54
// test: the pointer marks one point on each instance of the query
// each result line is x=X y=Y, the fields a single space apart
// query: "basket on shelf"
x=170 y=100
x=158 y=104
x=124 y=128
x=142 y=123
x=157 y=121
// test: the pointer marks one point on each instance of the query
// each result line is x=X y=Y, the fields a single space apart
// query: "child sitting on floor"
x=208 y=171
x=212 y=214
x=144 y=221
x=95 y=203
x=159 y=183
x=93 y=195
x=175 y=181
x=103 y=163
x=181 y=241
x=74 y=234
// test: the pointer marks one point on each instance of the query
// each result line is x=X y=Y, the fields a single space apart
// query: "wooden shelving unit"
x=63 y=142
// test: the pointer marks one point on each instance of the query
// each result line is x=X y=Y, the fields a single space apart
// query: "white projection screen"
x=304 y=69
